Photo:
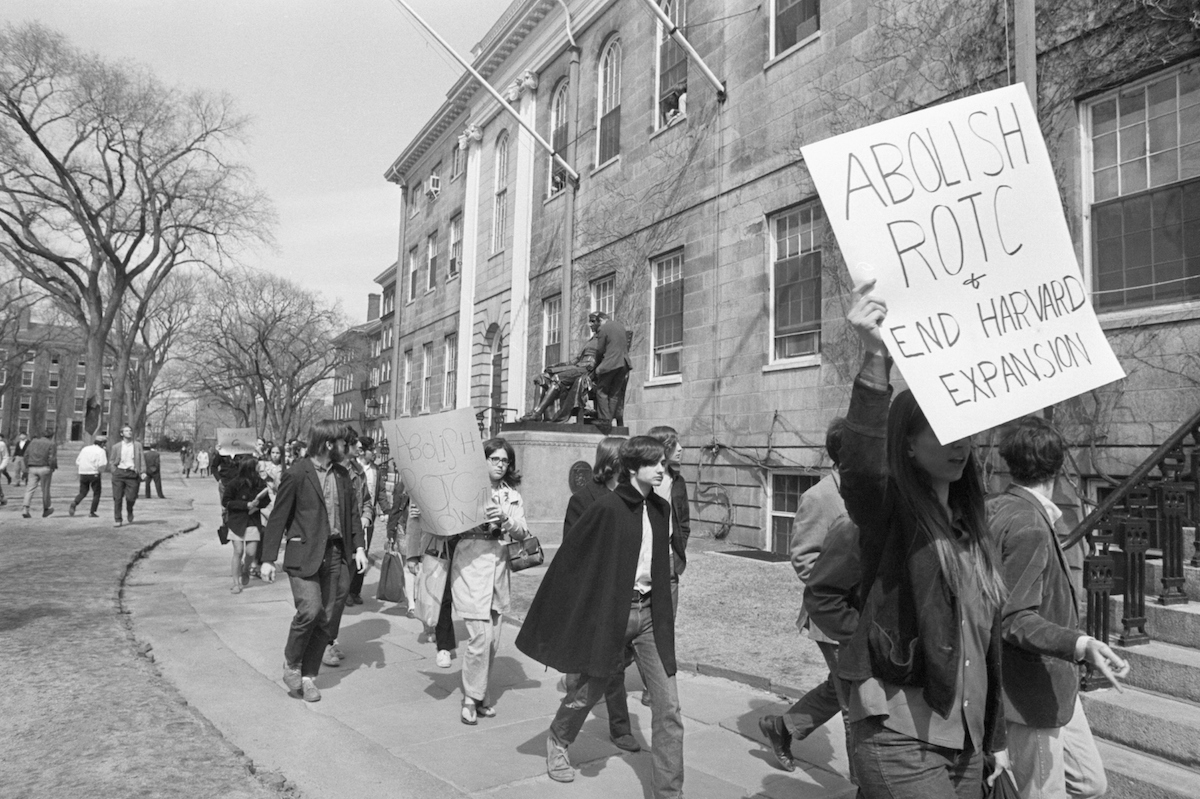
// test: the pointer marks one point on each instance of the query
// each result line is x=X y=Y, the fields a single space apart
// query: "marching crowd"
x=949 y=619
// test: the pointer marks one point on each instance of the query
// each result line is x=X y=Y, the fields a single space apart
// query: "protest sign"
x=236 y=440
x=955 y=213
x=440 y=460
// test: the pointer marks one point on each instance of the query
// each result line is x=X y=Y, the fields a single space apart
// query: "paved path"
x=388 y=723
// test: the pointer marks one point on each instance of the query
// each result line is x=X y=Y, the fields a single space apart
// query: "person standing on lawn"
x=128 y=462
x=315 y=511
x=608 y=588
x=153 y=470
x=4 y=463
x=41 y=461
x=91 y=461
x=18 y=457
x=1051 y=745
x=820 y=508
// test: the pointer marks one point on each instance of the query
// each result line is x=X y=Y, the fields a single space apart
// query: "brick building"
x=357 y=399
x=696 y=224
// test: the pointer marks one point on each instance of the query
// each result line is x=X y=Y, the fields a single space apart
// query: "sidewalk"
x=388 y=723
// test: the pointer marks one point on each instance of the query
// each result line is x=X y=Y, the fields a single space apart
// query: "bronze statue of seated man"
x=567 y=384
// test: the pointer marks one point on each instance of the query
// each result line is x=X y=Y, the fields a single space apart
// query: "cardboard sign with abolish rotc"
x=236 y=440
x=954 y=211
x=440 y=461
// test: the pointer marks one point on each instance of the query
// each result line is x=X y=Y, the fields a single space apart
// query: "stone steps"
x=1137 y=775
x=1164 y=668
x=1148 y=722
x=1172 y=624
x=1191 y=576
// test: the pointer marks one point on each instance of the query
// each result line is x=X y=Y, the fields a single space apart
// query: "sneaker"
x=558 y=765
x=131 y=517
x=291 y=678
x=330 y=658
x=71 y=509
x=779 y=739
x=626 y=742
x=443 y=658
x=118 y=523
x=47 y=512
x=646 y=698
x=93 y=515
x=308 y=689
x=337 y=650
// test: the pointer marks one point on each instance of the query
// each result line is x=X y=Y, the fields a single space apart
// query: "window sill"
x=495 y=255
x=616 y=159
x=800 y=45
x=430 y=291
x=1185 y=311
x=679 y=120
x=552 y=197
x=665 y=380
x=803 y=362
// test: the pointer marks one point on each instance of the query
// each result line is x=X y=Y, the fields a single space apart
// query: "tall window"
x=450 y=378
x=551 y=333
x=412 y=274
x=406 y=397
x=603 y=291
x=500 y=210
x=609 y=135
x=671 y=63
x=426 y=374
x=456 y=162
x=1145 y=187
x=785 y=499
x=793 y=21
x=389 y=300
x=455 y=244
x=434 y=186
x=796 y=281
x=431 y=260
x=558 y=136
x=414 y=196
x=666 y=314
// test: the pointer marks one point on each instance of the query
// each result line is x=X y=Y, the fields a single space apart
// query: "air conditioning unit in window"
x=433 y=186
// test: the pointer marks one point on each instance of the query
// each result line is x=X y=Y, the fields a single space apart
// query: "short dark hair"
x=1033 y=449
x=324 y=433
x=366 y=442
x=833 y=439
x=608 y=459
x=640 y=451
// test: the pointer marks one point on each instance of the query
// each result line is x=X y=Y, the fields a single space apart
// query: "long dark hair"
x=916 y=495
x=245 y=474
x=512 y=478
x=608 y=459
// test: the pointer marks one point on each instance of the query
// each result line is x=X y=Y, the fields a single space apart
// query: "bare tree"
x=109 y=181
x=268 y=345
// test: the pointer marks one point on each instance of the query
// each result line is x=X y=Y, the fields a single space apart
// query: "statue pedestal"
x=545 y=454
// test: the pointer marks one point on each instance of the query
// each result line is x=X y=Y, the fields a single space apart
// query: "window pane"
x=1133 y=177
x=1163 y=133
x=1132 y=107
x=1133 y=143
x=1104 y=150
x=1189 y=161
x=1106 y=187
x=1104 y=117
x=1164 y=168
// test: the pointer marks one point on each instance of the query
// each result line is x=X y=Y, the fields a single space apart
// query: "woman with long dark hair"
x=924 y=663
x=242 y=496
x=479 y=576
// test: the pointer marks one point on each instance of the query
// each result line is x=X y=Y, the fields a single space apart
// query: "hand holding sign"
x=866 y=316
x=236 y=440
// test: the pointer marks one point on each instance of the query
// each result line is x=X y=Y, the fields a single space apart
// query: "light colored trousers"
x=1057 y=762
x=483 y=641
x=39 y=477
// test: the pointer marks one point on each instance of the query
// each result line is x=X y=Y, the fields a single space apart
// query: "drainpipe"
x=568 y=234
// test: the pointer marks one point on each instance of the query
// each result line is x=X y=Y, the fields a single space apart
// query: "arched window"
x=558 y=136
x=609 y=128
x=500 y=209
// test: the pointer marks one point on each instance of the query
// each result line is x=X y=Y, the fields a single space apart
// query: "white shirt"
x=92 y=459
x=125 y=461
x=1053 y=511
x=369 y=473
x=641 y=581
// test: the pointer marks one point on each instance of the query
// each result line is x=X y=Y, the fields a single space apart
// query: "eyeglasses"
x=498 y=461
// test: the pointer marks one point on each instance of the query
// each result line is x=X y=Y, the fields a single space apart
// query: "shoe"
x=254 y=572
x=779 y=739
x=291 y=678
x=25 y=515
x=469 y=713
x=354 y=599
x=118 y=523
x=308 y=690
x=93 y=515
x=646 y=698
x=558 y=765
x=330 y=658
x=337 y=650
x=237 y=589
x=443 y=658
x=71 y=509
x=485 y=711
x=130 y=517
x=626 y=742
x=47 y=512
x=245 y=574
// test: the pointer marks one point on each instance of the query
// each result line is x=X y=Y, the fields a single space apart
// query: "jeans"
x=125 y=484
x=39 y=475
x=156 y=478
x=616 y=698
x=315 y=598
x=818 y=705
x=1057 y=762
x=666 y=722
x=88 y=482
x=889 y=765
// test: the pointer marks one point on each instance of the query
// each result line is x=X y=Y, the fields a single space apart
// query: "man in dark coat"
x=315 y=510
x=609 y=587
x=153 y=470
x=1049 y=741
x=612 y=351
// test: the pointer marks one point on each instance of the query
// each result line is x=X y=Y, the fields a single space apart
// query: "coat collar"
x=633 y=497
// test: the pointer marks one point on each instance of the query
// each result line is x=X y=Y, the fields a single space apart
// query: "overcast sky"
x=336 y=89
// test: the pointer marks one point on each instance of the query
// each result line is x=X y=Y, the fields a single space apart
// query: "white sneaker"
x=443 y=658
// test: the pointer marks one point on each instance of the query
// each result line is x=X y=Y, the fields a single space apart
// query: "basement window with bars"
x=786 y=488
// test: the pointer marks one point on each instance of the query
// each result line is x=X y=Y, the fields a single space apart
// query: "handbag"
x=525 y=554
x=431 y=583
x=391 y=576
x=223 y=535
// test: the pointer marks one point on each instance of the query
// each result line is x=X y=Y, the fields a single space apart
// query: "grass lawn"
x=734 y=613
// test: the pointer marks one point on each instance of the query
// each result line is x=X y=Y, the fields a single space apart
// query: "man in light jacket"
x=128 y=471
x=91 y=462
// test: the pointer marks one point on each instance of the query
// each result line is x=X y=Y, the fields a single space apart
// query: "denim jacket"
x=908 y=633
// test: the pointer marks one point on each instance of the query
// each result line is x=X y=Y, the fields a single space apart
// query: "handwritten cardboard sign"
x=236 y=440
x=955 y=213
x=440 y=460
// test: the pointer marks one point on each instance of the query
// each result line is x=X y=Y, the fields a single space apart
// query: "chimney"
x=372 y=307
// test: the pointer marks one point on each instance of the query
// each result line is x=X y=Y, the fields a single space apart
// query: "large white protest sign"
x=236 y=440
x=954 y=212
x=440 y=461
